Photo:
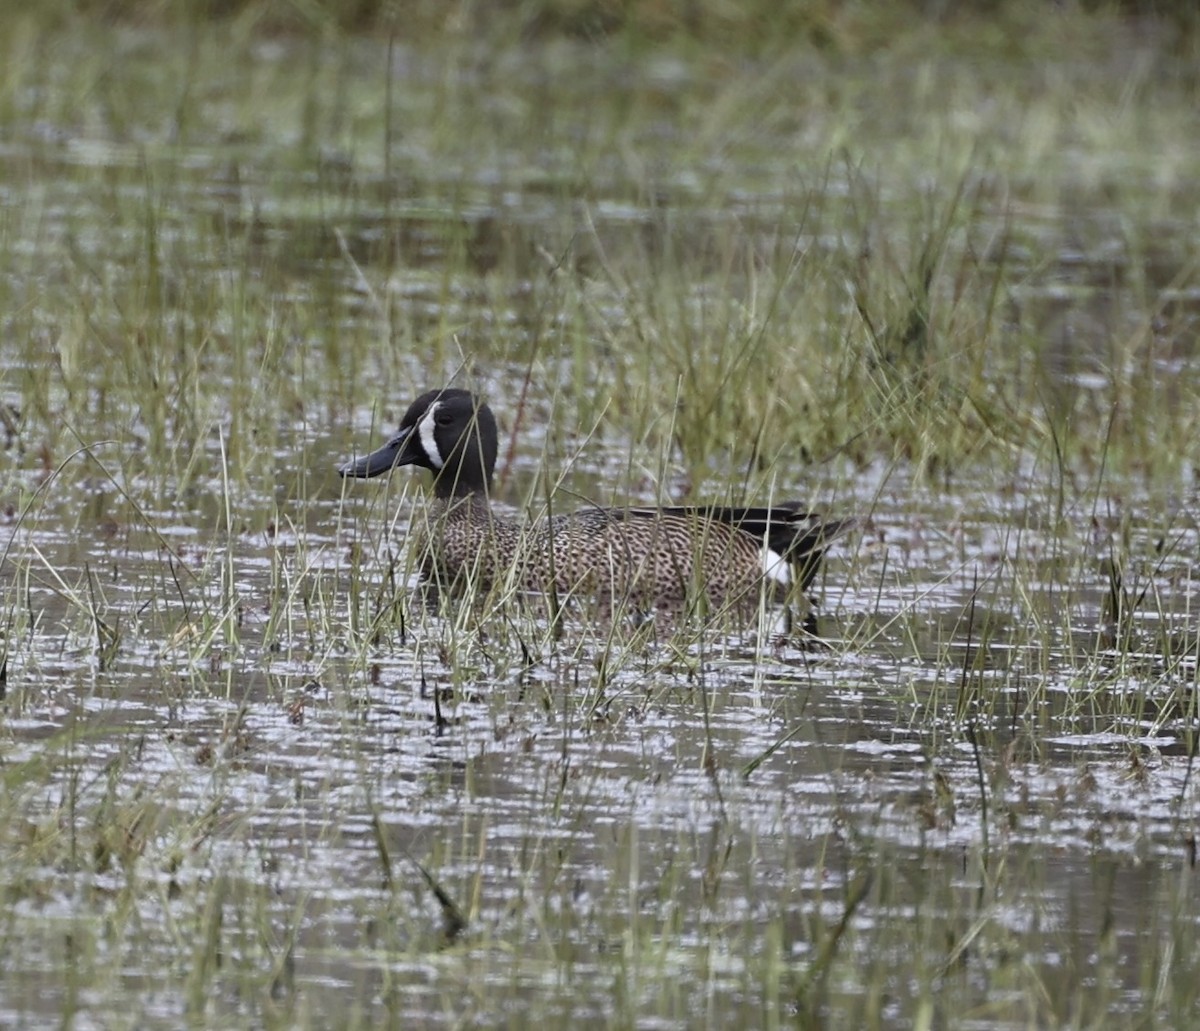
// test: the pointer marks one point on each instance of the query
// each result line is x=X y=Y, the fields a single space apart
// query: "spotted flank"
x=650 y=559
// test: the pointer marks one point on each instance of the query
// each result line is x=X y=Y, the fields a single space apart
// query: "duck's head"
x=450 y=432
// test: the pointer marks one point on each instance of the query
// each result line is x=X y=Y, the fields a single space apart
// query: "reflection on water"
x=735 y=786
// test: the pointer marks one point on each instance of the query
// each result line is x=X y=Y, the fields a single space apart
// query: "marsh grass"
x=247 y=779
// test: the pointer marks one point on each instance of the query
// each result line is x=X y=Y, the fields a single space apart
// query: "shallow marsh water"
x=247 y=780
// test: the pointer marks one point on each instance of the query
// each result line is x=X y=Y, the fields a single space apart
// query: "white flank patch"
x=775 y=567
x=425 y=431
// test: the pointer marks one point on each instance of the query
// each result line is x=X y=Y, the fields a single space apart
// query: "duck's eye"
x=443 y=418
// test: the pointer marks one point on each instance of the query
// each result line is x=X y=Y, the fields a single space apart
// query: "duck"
x=651 y=559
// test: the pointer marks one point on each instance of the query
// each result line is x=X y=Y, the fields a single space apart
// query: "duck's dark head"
x=450 y=432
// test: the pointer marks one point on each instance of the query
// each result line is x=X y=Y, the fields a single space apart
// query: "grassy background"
x=932 y=264
x=853 y=232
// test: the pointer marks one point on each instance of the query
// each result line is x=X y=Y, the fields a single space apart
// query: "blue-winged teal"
x=648 y=558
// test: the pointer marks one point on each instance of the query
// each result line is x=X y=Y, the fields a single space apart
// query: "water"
x=240 y=763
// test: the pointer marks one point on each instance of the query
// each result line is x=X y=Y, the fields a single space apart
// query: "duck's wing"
x=785 y=528
x=798 y=536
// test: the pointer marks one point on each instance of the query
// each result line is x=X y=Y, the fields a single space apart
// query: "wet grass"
x=937 y=278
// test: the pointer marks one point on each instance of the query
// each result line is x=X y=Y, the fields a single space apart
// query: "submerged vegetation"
x=936 y=269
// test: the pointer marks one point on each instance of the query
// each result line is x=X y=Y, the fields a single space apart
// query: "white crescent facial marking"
x=775 y=568
x=425 y=431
